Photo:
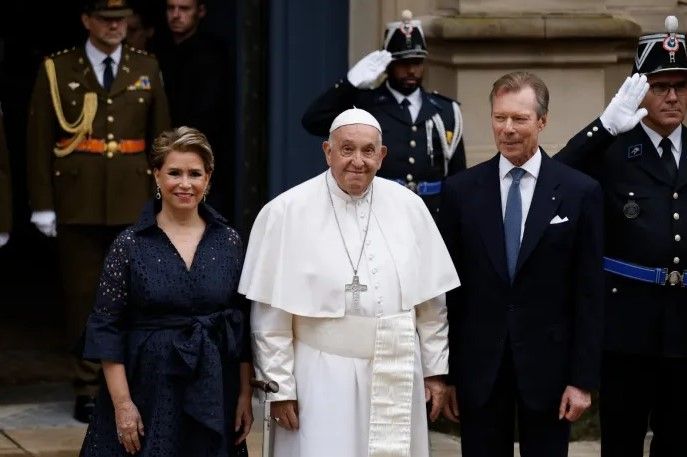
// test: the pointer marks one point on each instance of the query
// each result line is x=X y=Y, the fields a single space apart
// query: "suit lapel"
x=387 y=103
x=545 y=202
x=86 y=75
x=488 y=201
x=650 y=161
x=123 y=78
x=427 y=110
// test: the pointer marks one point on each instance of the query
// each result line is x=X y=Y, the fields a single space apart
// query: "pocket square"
x=558 y=220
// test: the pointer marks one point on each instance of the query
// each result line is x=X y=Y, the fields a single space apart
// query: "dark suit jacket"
x=551 y=315
x=641 y=318
x=407 y=143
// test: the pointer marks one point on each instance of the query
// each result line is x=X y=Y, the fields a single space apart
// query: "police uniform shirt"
x=415 y=100
x=675 y=138
x=96 y=57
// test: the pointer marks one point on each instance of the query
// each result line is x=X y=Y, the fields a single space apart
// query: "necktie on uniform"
x=512 y=221
x=668 y=158
x=108 y=75
x=406 y=110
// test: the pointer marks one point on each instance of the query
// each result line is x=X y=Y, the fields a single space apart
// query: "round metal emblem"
x=631 y=209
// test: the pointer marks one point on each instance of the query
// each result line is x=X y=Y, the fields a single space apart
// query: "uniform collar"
x=655 y=137
x=415 y=98
x=96 y=56
x=147 y=219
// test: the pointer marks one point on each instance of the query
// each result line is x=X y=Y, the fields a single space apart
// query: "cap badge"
x=634 y=151
x=115 y=3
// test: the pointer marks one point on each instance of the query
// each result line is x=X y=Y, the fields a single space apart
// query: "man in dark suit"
x=423 y=132
x=525 y=234
x=641 y=167
x=94 y=113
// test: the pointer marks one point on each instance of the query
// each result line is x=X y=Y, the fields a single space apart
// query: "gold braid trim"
x=84 y=123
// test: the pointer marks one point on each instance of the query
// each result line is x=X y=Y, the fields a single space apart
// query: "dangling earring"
x=157 y=193
x=205 y=195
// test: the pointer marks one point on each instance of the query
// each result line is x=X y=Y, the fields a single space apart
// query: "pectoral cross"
x=355 y=288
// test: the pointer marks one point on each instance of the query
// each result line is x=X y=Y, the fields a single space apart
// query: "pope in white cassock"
x=348 y=273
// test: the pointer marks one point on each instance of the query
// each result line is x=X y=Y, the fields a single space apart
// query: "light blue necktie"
x=513 y=220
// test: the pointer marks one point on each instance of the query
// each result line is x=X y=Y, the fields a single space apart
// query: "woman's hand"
x=244 y=417
x=129 y=426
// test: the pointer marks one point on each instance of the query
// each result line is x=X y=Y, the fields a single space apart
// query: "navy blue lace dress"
x=181 y=335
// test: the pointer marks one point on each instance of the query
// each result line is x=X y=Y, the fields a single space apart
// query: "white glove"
x=4 y=238
x=366 y=73
x=622 y=113
x=45 y=222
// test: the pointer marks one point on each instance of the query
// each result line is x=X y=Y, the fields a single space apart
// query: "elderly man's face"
x=516 y=125
x=354 y=153
x=666 y=101
x=106 y=33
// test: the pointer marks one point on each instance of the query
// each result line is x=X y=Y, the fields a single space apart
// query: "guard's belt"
x=660 y=276
x=97 y=146
x=422 y=188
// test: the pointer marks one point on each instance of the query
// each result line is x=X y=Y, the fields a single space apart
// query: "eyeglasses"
x=664 y=88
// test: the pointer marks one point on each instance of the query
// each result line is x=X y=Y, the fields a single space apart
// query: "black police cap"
x=659 y=52
x=405 y=39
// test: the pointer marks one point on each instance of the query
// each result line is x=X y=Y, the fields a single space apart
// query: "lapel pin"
x=73 y=85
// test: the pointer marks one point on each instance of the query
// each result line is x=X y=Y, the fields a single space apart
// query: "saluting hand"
x=623 y=112
x=365 y=74
x=129 y=426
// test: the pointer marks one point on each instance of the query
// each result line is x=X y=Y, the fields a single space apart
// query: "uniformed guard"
x=636 y=149
x=5 y=187
x=94 y=112
x=423 y=132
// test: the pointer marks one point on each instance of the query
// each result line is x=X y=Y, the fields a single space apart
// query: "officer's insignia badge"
x=73 y=85
x=634 y=151
x=115 y=3
x=143 y=83
x=631 y=208
x=449 y=136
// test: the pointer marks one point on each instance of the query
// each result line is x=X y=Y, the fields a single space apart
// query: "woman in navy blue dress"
x=168 y=326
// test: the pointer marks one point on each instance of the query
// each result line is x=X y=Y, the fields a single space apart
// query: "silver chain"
x=338 y=225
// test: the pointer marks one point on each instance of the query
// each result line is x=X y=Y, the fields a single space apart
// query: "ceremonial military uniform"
x=5 y=183
x=421 y=152
x=102 y=185
x=644 y=377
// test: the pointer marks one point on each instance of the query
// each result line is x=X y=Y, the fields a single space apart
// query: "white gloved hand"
x=4 y=238
x=623 y=112
x=45 y=222
x=365 y=74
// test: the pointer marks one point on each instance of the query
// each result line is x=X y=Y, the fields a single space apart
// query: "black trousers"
x=489 y=431
x=638 y=392
x=81 y=251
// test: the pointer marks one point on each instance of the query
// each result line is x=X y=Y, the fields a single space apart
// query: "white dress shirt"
x=675 y=138
x=96 y=57
x=527 y=183
x=415 y=100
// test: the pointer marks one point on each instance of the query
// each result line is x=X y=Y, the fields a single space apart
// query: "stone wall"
x=582 y=49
